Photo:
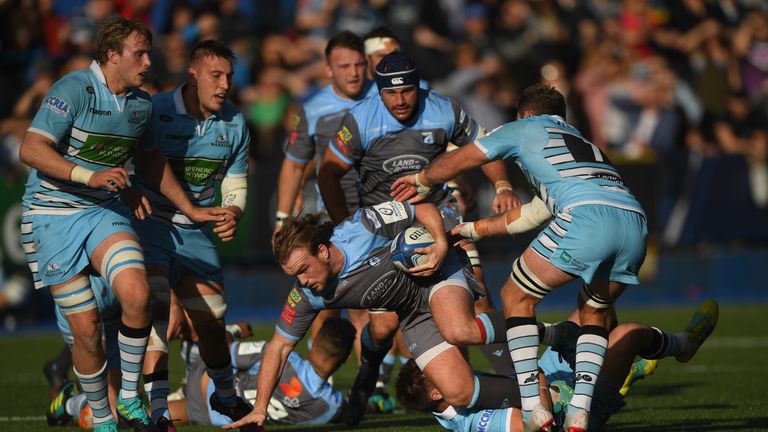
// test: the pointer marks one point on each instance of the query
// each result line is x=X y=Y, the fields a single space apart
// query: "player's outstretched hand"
x=436 y=254
x=253 y=421
x=504 y=201
x=227 y=228
x=455 y=236
x=137 y=202
x=113 y=179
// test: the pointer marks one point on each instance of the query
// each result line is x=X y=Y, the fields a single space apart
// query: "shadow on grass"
x=698 y=425
x=664 y=390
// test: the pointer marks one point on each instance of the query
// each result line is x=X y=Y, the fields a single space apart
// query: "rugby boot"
x=107 y=426
x=702 y=325
x=541 y=420
x=640 y=369
x=57 y=411
x=134 y=413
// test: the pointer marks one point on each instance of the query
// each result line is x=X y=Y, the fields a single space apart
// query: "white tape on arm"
x=468 y=231
x=532 y=215
x=234 y=192
x=81 y=175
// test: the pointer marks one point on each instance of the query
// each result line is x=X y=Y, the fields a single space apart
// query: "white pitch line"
x=14 y=419
x=736 y=342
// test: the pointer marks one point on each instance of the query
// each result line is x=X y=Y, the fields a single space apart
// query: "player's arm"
x=154 y=166
x=429 y=216
x=234 y=188
x=272 y=364
x=329 y=181
x=37 y=151
x=518 y=220
x=505 y=199
x=289 y=183
x=442 y=169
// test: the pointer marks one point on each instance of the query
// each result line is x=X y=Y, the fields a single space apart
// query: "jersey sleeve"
x=465 y=129
x=57 y=113
x=246 y=354
x=504 y=142
x=348 y=144
x=297 y=315
x=239 y=164
x=388 y=218
x=300 y=146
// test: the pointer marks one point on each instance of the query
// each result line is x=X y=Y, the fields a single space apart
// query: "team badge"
x=428 y=137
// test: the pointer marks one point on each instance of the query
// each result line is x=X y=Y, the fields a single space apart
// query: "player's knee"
x=460 y=333
x=135 y=298
x=88 y=338
x=205 y=309
x=382 y=327
x=121 y=256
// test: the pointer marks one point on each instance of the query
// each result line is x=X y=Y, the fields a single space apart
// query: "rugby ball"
x=404 y=245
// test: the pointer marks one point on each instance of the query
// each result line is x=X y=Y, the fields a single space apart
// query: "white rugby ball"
x=404 y=245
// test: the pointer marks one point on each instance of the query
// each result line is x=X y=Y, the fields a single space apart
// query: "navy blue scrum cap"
x=396 y=70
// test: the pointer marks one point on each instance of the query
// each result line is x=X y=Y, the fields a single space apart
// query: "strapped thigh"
x=594 y=300
x=75 y=296
x=527 y=281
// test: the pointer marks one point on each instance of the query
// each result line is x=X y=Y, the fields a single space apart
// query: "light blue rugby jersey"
x=91 y=127
x=200 y=152
x=563 y=167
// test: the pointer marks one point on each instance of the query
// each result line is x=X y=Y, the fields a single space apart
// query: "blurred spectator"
x=265 y=104
x=85 y=23
x=750 y=45
x=356 y=16
x=169 y=61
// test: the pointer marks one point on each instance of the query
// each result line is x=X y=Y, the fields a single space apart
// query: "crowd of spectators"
x=644 y=78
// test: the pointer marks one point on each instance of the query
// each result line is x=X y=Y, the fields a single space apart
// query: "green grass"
x=721 y=389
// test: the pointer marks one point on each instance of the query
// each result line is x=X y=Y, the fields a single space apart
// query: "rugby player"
x=206 y=141
x=84 y=132
x=598 y=235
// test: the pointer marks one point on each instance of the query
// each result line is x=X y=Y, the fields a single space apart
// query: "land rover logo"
x=404 y=163
x=378 y=289
x=397 y=81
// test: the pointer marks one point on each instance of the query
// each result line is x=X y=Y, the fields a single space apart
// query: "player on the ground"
x=85 y=130
x=303 y=394
x=205 y=140
x=416 y=392
x=351 y=267
x=598 y=235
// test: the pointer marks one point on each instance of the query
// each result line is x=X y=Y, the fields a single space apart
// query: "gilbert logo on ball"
x=405 y=244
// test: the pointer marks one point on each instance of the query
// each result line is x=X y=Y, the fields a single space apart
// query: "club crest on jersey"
x=56 y=105
x=428 y=137
x=221 y=141
x=135 y=117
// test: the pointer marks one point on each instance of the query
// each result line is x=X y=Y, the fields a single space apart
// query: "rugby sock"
x=665 y=344
x=498 y=356
x=75 y=404
x=492 y=327
x=223 y=379
x=590 y=353
x=157 y=388
x=371 y=357
x=95 y=388
x=494 y=392
x=385 y=370
x=133 y=344
x=523 y=340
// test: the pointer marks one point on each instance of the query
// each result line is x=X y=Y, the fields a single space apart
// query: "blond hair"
x=112 y=35
x=305 y=232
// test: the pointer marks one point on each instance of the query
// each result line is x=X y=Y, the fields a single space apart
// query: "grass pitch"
x=721 y=389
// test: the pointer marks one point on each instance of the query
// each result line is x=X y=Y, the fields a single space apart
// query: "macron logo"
x=397 y=80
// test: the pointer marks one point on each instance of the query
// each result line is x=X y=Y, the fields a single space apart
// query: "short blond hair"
x=305 y=232
x=112 y=35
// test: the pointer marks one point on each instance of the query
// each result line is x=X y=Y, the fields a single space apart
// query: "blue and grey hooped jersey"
x=474 y=420
x=316 y=124
x=90 y=126
x=301 y=396
x=563 y=167
x=200 y=152
x=384 y=149
x=369 y=279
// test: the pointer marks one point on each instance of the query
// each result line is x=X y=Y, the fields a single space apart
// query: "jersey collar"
x=181 y=109
x=96 y=70
x=448 y=414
